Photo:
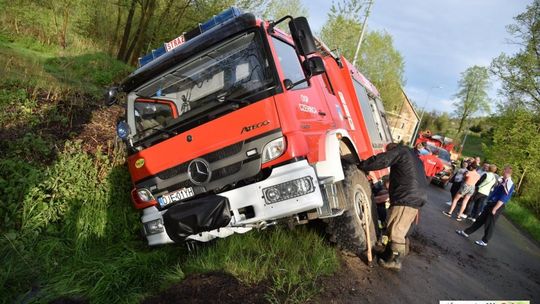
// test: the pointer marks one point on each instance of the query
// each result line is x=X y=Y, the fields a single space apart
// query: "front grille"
x=210 y=157
x=229 y=165
x=226 y=171
x=174 y=171
x=223 y=153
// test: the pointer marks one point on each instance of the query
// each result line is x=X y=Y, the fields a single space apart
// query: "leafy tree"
x=384 y=66
x=472 y=95
x=256 y=7
x=343 y=26
x=436 y=122
x=516 y=142
x=520 y=73
x=281 y=8
x=516 y=130
x=278 y=9
x=378 y=59
x=476 y=128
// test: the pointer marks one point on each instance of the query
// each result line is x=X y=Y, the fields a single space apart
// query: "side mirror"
x=302 y=36
x=111 y=97
x=122 y=130
x=314 y=66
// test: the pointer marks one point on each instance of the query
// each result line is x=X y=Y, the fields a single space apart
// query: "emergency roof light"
x=216 y=20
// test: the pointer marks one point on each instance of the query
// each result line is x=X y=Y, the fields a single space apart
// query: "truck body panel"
x=231 y=116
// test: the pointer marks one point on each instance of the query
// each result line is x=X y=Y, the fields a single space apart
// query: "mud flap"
x=199 y=215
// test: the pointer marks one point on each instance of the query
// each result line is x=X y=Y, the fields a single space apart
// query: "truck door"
x=308 y=104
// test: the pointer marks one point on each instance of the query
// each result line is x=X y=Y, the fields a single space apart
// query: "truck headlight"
x=288 y=190
x=273 y=149
x=153 y=227
x=145 y=195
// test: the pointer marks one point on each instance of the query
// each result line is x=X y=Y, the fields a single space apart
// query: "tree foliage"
x=516 y=130
x=520 y=73
x=472 y=95
x=281 y=8
x=516 y=141
x=436 y=122
x=378 y=59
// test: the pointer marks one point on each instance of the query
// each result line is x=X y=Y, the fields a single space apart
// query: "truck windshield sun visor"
x=234 y=71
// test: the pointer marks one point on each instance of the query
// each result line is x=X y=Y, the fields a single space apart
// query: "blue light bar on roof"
x=220 y=18
x=216 y=20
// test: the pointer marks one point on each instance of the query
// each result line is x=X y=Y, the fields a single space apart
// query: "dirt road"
x=445 y=266
x=441 y=266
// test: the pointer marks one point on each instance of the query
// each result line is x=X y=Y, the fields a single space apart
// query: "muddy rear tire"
x=348 y=230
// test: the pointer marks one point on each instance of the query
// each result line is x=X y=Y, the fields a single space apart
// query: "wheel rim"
x=360 y=205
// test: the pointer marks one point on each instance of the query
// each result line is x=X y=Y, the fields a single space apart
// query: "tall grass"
x=523 y=217
x=72 y=232
x=290 y=261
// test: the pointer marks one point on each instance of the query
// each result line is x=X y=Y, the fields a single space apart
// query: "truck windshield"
x=233 y=71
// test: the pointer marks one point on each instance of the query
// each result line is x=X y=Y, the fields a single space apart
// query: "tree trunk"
x=114 y=39
x=127 y=31
x=464 y=114
x=138 y=32
x=162 y=18
x=136 y=52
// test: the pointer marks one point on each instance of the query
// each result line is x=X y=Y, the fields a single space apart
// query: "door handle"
x=322 y=113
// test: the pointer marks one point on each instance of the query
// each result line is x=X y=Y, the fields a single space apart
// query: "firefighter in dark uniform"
x=408 y=193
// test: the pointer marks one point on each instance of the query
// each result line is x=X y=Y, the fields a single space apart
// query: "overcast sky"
x=438 y=39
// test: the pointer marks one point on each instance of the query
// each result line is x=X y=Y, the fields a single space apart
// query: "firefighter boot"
x=394 y=262
x=386 y=254
x=391 y=258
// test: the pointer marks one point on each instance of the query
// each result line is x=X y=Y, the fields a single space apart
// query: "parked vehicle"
x=237 y=125
x=443 y=177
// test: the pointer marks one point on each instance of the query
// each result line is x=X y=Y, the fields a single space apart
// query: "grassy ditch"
x=70 y=231
x=67 y=227
x=523 y=218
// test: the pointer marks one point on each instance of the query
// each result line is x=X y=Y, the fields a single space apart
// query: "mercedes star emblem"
x=199 y=171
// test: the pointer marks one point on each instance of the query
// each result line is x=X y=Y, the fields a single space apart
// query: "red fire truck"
x=238 y=125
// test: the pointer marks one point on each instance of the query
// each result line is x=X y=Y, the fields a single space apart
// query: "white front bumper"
x=252 y=196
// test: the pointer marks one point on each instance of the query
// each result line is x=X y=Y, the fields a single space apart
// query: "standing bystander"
x=484 y=186
x=457 y=179
x=466 y=191
x=496 y=202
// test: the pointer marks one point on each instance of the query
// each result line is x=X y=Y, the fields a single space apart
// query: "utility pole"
x=417 y=129
x=364 y=25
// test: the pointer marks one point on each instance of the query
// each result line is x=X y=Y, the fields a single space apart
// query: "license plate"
x=176 y=196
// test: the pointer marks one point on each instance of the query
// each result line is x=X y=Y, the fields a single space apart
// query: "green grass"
x=87 y=73
x=291 y=261
x=523 y=218
x=70 y=230
x=473 y=146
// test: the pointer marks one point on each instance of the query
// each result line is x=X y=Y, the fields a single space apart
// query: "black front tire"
x=348 y=230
